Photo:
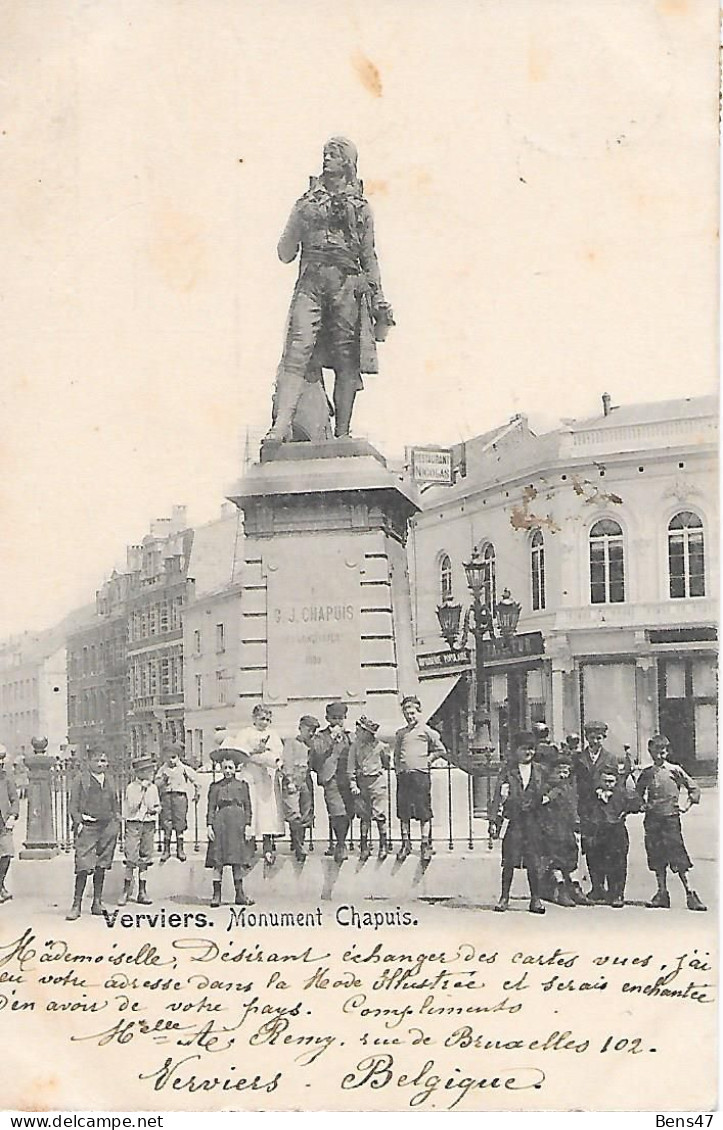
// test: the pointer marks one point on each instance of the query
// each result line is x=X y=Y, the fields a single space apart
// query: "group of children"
x=548 y=795
x=547 y=798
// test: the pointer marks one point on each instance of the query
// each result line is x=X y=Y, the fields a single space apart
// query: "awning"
x=433 y=693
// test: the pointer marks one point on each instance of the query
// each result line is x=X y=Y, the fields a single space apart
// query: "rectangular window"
x=197 y=643
x=176 y=674
x=189 y=741
x=676 y=555
x=199 y=744
x=617 y=573
x=220 y=644
x=697 y=563
x=199 y=690
x=221 y=688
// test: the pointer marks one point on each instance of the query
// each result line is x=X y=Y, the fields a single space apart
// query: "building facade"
x=212 y=642
x=606 y=532
x=33 y=686
x=125 y=667
x=97 y=674
x=157 y=594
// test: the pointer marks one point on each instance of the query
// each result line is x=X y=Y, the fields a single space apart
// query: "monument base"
x=326 y=610
x=39 y=851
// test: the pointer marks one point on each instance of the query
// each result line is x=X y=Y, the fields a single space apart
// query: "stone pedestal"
x=326 y=610
x=40 y=838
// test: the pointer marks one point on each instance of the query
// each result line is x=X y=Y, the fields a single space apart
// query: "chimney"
x=606 y=404
x=134 y=557
x=178 y=519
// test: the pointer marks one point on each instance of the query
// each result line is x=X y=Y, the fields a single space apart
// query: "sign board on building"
x=519 y=647
x=431 y=464
x=444 y=660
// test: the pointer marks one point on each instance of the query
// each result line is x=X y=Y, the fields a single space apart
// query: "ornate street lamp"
x=481 y=621
x=449 y=616
x=507 y=612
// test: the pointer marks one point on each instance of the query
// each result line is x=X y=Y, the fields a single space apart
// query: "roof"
x=688 y=408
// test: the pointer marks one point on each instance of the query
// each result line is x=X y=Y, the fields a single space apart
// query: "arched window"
x=537 y=568
x=489 y=588
x=686 y=555
x=607 y=563
x=445 y=579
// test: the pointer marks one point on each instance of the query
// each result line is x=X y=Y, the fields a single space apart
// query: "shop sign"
x=519 y=647
x=445 y=660
x=431 y=464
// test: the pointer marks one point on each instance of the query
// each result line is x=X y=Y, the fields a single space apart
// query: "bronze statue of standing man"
x=338 y=310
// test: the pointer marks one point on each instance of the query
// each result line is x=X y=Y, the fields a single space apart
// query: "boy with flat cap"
x=93 y=809
x=297 y=788
x=173 y=780
x=416 y=747
x=141 y=806
x=330 y=761
x=519 y=797
x=589 y=767
x=659 y=787
x=368 y=762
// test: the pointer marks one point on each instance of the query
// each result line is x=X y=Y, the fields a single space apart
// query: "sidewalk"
x=460 y=875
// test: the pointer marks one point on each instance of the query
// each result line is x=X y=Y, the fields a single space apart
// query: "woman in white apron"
x=260 y=768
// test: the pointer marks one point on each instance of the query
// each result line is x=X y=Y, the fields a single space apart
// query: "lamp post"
x=481 y=621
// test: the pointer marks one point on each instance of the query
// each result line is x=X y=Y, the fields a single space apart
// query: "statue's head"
x=340 y=157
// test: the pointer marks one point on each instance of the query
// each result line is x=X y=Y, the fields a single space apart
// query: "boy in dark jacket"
x=94 y=814
x=558 y=824
x=607 y=836
x=519 y=799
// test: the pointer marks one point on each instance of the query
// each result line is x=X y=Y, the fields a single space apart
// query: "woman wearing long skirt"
x=229 y=826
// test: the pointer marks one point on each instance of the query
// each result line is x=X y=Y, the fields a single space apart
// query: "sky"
x=543 y=177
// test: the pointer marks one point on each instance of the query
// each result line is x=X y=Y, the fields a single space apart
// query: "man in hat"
x=9 y=812
x=416 y=747
x=659 y=786
x=330 y=761
x=141 y=806
x=93 y=809
x=368 y=761
x=519 y=799
x=589 y=767
x=338 y=305
x=174 y=778
x=297 y=787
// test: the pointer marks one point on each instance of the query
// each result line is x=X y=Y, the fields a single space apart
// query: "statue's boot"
x=344 y=396
x=288 y=395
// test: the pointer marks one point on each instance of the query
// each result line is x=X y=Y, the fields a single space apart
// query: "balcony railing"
x=650 y=614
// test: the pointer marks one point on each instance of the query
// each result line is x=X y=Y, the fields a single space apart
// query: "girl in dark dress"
x=228 y=824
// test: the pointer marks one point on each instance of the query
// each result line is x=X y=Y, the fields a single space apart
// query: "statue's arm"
x=290 y=241
x=368 y=257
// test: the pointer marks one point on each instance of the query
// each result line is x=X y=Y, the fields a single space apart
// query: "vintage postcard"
x=359 y=602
